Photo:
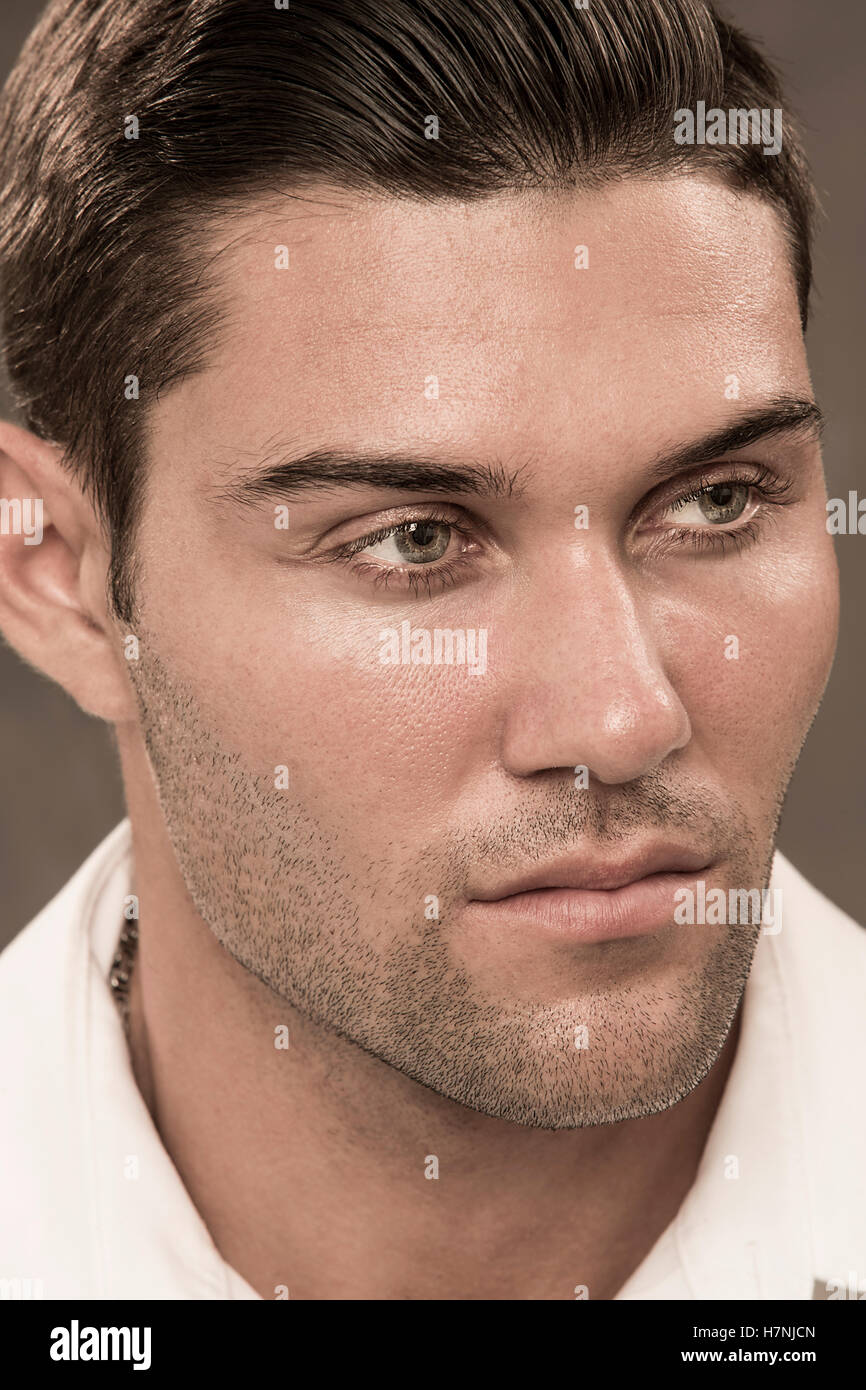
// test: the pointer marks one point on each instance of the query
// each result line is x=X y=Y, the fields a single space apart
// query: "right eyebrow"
x=404 y=470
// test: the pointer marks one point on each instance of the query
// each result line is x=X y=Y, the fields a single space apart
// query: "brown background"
x=61 y=787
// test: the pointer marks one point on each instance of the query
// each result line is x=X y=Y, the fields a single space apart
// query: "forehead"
x=500 y=323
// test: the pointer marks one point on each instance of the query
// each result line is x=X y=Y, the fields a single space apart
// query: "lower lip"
x=586 y=915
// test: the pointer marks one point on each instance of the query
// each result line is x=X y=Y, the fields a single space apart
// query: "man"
x=433 y=505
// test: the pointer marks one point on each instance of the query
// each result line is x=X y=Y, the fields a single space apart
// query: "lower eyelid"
x=735 y=537
x=707 y=540
x=408 y=578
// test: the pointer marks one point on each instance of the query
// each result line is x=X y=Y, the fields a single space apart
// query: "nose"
x=588 y=687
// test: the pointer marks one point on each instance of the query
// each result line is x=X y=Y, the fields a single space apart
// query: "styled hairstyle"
x=103 y=271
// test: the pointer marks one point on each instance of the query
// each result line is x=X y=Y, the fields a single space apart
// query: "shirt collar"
x=149 y=1240
x=743 y=1230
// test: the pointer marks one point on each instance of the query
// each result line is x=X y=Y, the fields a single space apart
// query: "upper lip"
x=596 y=873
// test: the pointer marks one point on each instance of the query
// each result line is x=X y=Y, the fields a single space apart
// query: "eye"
x=716 y=515
x=417 y=554
x=413 y=542
x=715 y=505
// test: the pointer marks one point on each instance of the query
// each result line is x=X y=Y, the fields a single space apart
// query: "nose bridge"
x=589 y=686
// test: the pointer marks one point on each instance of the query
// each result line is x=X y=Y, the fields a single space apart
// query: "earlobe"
x=53 y=565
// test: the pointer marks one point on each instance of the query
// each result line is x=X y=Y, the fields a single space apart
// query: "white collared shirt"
x=91 y=1205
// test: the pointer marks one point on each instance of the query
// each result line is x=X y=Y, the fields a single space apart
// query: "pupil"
x=721 y=495
x=423 y=532
x=430 y=538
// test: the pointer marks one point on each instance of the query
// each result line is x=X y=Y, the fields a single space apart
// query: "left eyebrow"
x=783 y=415
x=326 y=469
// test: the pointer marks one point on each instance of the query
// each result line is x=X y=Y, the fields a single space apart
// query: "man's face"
x=345 y=810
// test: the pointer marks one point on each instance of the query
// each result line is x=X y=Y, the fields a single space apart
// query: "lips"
x=585 y=899
x=595 y=874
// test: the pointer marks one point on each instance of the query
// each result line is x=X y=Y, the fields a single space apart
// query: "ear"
x=53 y=569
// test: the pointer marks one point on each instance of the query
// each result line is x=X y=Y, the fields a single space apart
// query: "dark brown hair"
x=102 y=272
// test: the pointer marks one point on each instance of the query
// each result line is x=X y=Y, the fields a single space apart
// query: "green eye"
x=421 y=541
x=717 y=505
x=724 y=502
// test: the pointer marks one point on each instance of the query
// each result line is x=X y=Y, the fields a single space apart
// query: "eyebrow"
x=783 y=415
x=280 y=476
x=326 y=469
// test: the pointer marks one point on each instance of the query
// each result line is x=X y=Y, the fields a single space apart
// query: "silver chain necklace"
x=120 y=974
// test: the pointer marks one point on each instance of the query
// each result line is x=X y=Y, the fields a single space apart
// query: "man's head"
x=447 y=272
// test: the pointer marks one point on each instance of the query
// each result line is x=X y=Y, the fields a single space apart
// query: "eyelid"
x=772 y=487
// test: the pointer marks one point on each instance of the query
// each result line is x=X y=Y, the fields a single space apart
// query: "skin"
x=304 y=905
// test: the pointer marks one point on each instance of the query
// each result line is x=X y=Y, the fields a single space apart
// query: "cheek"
x=375 y=751
x=392 y=750
x=285 y=679
x=750 y=660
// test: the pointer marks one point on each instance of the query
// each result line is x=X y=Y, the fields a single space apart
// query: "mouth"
x=588 y=901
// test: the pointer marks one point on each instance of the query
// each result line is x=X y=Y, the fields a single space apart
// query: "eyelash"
x=444 y=575
x=773 y=492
